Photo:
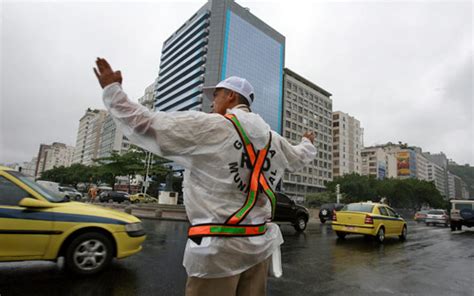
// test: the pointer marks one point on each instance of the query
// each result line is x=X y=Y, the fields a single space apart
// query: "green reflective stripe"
x=247 y=205
x=262 y=228
x=270 y=194
x=226 y=229
x=244 y=135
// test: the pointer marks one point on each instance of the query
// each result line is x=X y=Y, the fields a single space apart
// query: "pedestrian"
x=233 y=162
x=92 y=193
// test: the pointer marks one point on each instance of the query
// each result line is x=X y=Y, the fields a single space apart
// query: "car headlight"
x=134 y=227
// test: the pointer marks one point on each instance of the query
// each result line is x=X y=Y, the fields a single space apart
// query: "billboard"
x=381 y=170
x=406 y=164
x=403 y=164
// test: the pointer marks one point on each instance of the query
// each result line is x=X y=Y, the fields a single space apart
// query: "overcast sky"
x=404 y=69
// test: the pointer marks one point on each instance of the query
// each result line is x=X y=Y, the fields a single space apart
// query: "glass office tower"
x=222 y=39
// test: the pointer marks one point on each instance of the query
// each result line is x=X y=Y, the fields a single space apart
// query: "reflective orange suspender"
x=232 y=226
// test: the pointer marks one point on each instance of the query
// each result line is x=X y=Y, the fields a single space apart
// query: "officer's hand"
x=105 y=74
x=310 y=136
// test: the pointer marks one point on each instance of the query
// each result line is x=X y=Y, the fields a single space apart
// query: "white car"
x=71 y=193
x=435 y=217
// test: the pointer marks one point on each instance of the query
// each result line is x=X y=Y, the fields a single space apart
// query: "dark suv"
x=288 y=211
x=115 y=196
x=326 y=210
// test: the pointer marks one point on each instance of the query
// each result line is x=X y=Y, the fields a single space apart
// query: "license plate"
x=350 y=227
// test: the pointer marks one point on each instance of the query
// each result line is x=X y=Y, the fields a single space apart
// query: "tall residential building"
x=440 y=160
x=148 y=99
x=421 y=164
x=378 y=163
x=437 y=175
x=88 y=136
x=111 y=139
x=457 y=188
x=222 y=39
x=307 y=107
x=348 y=142
x=51 y=156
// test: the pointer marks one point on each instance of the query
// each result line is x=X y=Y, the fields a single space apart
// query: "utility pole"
x=148 y=160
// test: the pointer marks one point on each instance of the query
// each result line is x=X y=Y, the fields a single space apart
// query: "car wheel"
x=403 y=235
x=459 y=226
x=301 y=223
x=427 y=224
x=89 y=253
x=453 y=227
x=380 y=237
x=110 y=200
x=135 y=201
x=322 y=220
x=341 y=235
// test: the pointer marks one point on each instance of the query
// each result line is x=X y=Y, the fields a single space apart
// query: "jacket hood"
x=256 y=128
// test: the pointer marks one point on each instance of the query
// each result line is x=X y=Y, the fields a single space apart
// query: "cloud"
x=404 y=69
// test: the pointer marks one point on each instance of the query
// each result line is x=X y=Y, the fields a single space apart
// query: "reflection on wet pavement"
x=433 y=261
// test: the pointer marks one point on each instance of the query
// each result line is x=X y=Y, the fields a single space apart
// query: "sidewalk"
x=173 y=212
x=151 y=211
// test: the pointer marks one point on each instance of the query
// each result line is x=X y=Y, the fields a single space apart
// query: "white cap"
x=234 y=83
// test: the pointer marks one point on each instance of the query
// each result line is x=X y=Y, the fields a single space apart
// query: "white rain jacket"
x=216 y=175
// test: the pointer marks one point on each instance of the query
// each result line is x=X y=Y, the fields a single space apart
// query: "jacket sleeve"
x=297 y=156
x=177 y=136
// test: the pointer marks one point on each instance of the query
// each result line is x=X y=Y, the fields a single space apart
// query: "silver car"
x=71 y=193
x=437 y=217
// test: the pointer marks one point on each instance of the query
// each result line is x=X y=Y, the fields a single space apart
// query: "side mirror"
x=29 y=202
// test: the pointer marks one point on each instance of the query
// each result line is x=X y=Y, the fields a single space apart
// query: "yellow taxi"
x=370 y=219
x=142 y=197
x=35 y=224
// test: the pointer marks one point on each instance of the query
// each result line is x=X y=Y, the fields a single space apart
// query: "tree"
x=356 y=187
x=131 y=163
x=400 y=193
x=320 y=198
x=72 y=175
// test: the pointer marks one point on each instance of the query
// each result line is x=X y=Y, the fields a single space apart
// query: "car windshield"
x=461 y=206
x=436 y=212
x=50 y=196
x=69 y=189
x=357 y=207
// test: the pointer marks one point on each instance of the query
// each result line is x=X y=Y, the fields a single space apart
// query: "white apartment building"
x=148 y=99
x=307 y=107
x=421 y=165
x=348 y=142
x=112 y=139
x=437 y=174
x=376 y=162
x=457 y=188
x=51 y=156
x=88 y=136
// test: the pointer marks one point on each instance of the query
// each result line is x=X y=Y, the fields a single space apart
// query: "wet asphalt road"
x=433 y=261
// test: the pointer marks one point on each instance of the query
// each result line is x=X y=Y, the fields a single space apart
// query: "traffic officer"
x=233 y=162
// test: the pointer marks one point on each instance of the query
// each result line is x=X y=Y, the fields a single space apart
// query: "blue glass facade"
x=250 y=53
